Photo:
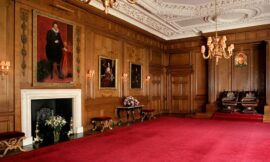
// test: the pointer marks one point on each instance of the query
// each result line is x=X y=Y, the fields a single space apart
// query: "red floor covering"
x=166 y=139
x=238 y=116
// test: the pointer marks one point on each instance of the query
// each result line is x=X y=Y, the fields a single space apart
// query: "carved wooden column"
x=212 y=81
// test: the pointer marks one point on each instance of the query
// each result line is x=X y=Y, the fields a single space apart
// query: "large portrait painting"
x=135 y=75
x=53 y=62
x=107 y=72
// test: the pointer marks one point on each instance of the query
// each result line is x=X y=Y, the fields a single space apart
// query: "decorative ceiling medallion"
x=234 y=15
x=175 y=19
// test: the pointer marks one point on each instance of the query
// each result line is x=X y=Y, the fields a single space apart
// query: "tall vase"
x=56 y=135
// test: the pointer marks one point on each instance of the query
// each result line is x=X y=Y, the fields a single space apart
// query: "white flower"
x=56 y=122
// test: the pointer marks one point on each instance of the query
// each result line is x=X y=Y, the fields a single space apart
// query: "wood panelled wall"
x=206 y=80
x=101 y=35
x=187 y=83
x=7 y=113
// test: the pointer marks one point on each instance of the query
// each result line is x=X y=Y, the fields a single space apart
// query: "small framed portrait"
x=53 y=50
x=107 y=73
x=240 y=59
x=135 y=75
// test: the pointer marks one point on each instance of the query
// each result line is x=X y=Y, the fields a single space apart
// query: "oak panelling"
x=199 y=103
x=99 y=36
x=180 y=94
x=157 y=84
x=241 y=76
x=199 y=80
x=136 y=55
x=6 y=123
x=227 y=76
x=180 y=59
x=156 y=101
x=156 y=58
x=7 y=54
x=200 y=74
x=107 y=106
x=111 y=48
x=223 y=75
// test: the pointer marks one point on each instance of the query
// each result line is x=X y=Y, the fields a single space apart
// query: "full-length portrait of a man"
x=54 y=50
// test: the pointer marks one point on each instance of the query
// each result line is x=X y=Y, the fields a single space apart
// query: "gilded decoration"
x=240 y=59
x=24 y=15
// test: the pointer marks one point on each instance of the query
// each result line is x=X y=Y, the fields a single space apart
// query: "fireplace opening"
x=42 y=109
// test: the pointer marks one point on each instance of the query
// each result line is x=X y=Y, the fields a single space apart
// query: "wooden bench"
x=147 y=113
x=101 y=122
x=11 y=141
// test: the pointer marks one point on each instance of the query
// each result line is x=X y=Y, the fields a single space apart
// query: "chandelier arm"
x=227 y=55
x=206 y=56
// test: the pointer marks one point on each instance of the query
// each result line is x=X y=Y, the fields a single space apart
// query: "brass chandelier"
x=217 y=45
x=108 y=3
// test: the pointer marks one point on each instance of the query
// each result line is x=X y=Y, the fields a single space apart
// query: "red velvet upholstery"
x=8 y=135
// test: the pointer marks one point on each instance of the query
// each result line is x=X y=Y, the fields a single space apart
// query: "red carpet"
x=167 y=139
x=238 y=116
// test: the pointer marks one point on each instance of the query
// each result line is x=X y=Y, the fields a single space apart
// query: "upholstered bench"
x=147 y=113
x=101 y=122
x=11 y=141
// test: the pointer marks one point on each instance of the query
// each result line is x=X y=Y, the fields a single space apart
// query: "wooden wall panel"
x=156 y=95
x=100 y=35
x=6 y=123
x=226 y=76
x=7 y=54
x=223 y=75
x=180 y=59
x=156 y=84
x=180 y=92
x=241 y=76
x=199 y=86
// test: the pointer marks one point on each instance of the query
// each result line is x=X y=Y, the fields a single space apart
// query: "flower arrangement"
x=56 y=122
x=131 y=101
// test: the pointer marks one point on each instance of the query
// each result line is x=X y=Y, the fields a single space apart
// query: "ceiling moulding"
x=167 y=20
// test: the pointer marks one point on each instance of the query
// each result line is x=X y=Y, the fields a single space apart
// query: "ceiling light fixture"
x=217 y=45
x=108 y=3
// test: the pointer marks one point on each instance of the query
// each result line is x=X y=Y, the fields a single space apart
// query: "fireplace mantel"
x=27 y=95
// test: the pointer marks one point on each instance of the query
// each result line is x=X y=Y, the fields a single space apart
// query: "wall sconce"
x=148 y=78
x=90 y=74
x=125 y=75
x=4 y=68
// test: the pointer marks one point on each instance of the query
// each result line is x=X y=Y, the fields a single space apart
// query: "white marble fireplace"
x=27 y=95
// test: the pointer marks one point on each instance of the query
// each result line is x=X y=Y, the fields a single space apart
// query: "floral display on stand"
x=131 y=101
x=57 y=123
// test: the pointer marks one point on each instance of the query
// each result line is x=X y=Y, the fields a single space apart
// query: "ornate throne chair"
x=229 y=101
x=250 y=101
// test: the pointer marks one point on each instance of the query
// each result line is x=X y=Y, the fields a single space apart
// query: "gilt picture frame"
x=54 y=53
x=108 y=73
x=135 y=76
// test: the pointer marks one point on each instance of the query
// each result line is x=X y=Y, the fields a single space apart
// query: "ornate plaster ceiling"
x=175 y=19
